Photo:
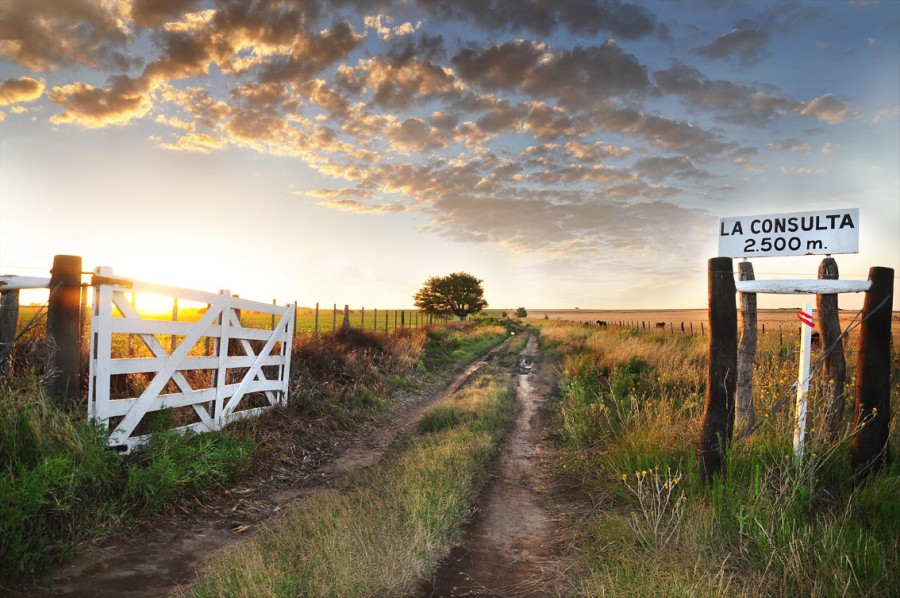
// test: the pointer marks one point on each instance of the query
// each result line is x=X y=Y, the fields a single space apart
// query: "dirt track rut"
x=507 y=550
x=155 y=563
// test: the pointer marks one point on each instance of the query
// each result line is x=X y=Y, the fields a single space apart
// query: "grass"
x=60 y=485
x=390 y=525
x=627 y=427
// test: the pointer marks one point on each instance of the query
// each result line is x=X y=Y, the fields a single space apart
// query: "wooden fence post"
x=362 y=325
x=403 y=319
x=334 y=318
x=717 y=424
x=835 y=367
x=9 y=321
x=746 y=415
x=63 y=311
x=872 y=414
x=316 y=325
x=345 y=325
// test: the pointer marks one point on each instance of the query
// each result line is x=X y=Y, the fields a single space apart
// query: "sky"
x=569 y=154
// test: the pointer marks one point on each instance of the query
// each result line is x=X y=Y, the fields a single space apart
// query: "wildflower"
x=643 y=472
x=624 y=476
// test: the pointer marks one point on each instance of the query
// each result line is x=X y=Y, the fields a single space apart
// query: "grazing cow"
x=601 y=323
x=661 y=325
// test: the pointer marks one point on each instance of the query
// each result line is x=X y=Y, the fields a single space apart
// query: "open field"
x=772 y=319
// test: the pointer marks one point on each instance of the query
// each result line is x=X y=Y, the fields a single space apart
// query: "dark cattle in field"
x=661 y=325
x=601 y=323
x=815 y=340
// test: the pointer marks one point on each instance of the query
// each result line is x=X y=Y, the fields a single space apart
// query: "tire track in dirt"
x=169 y=555
x=507 y=550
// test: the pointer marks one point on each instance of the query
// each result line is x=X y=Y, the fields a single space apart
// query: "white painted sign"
x=798 y=233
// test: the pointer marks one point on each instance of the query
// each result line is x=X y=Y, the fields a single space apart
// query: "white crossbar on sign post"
x=245 y=361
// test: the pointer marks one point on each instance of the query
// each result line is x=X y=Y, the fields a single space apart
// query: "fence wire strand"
x=816 y=365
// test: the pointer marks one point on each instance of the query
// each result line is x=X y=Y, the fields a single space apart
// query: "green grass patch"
x=59 y=483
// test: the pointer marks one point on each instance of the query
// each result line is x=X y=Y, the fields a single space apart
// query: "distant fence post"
x=345 y=325
x=334 y=318
x=9 y=320
x=746 y=415
x=403 y=319
x=362 y=325
x=872 y=414
x=63 y=312
x=835 y=366
x=717 y=424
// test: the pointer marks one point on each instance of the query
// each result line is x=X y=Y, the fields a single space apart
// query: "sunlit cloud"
x=23 y=89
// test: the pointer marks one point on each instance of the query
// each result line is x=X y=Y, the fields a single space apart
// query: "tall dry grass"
x=628 y=425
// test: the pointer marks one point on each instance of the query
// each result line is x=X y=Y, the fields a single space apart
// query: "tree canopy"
x=459 y=294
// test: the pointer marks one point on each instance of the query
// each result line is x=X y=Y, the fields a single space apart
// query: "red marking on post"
x=805 y=318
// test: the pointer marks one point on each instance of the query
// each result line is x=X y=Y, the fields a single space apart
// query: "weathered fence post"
x=835 y=367
x=362 y=325
x=9 y=320
x=746 y=415
x=63 y=311
x=717 y=424
x=872 y=414
x=403 y=319
x=334 y=318
x=345 y=325
x=316 y=325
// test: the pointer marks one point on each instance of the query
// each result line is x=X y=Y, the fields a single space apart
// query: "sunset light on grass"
x=566 y=153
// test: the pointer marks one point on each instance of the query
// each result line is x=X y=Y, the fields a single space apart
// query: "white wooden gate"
x=215 y=369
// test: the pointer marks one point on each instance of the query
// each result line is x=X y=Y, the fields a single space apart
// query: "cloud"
x=414 y=136
x=399 y=85
x=195 y=142
x=738 y=103
x=622 y=19
x=743 y=47
x=148 y=13
x=665 y=133
x=49 y=34
x=827 y=108
x=359 y=207
x=578 y=77
x=381 y=25
x=23 y=89
x=92 y=107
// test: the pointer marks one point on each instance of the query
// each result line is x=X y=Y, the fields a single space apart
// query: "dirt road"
x=507 y=549
x=153 y=562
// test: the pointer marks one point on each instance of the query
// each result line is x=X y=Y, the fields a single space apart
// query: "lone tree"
x=459 y=293
x=521 y=313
